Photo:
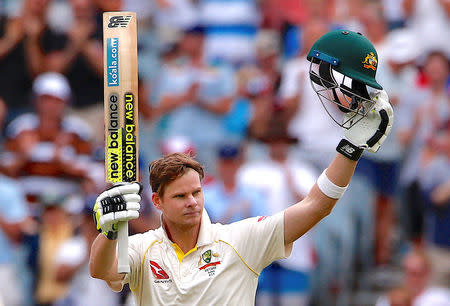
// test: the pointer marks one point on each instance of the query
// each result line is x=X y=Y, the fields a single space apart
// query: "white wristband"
x=329 y=188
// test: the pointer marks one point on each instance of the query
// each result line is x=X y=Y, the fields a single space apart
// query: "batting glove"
x=116 y=204
x=370 y=131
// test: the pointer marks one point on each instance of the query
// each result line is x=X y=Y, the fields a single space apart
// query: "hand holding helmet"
x=342 y=73
x=370 y=131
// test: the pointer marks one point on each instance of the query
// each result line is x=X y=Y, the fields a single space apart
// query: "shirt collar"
x=205 y=236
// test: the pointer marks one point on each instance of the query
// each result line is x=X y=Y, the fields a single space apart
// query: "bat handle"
x=123 y=265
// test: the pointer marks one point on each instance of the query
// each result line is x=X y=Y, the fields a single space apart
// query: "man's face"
x=416 y=272
x=50 y=107
x=228 y=167
x=436 y=69
x=182 y=202
x=192 y=44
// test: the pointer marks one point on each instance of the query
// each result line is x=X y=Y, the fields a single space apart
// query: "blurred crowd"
x=227 y=81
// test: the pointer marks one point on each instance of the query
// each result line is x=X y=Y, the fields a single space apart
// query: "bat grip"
x=123 y=265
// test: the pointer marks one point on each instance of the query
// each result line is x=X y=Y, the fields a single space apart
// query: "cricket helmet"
x=342 y=73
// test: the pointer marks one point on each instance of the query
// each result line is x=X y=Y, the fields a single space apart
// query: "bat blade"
x=121 y=109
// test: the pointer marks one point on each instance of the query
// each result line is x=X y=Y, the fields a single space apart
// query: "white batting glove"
x=116 y=204
x=370 y=131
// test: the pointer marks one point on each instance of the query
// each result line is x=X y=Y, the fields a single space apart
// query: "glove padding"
x=371 y=130
x=116 y=204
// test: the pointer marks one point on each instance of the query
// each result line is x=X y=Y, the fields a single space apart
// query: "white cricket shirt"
x=223 y=270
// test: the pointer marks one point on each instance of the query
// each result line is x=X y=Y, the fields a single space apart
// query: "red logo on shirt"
x=211 y=264
x=158 y=272
x=262 y=218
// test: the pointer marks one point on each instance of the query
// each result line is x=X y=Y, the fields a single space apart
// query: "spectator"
x=14 y=216
x=416 y=283
x=231 y=28
x=429 y=20
x=252 y=109
x=396 y=53
x=55 y=229
x=398 y=296
x=154 y=117
x=196 y=96
x=416 y=266
x=13 y=220
x=71 y=265
x=308 y=116
x=422 y=111
x=48 y=151
x=435 y=185
x=259 y=83
x=175 y=14
x=19 y=58
x=283 y=179
x=226 y=199
x=78 y=54
x=395 y=14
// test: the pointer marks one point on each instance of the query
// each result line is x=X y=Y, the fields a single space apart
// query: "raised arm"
x=369 y=133
x=103 y=262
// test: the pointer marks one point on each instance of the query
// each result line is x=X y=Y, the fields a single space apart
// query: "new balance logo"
x=347 y=148
x=158 y=272
x=119 y=21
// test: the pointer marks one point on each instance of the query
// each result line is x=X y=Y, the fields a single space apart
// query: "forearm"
x=341 y=170
x=169 y=103
x=302 y=216
x=35 y=56
x=6 y=45
x=103 y=259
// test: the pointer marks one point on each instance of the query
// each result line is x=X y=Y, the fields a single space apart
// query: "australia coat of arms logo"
x=370 y=62
x=206 y=256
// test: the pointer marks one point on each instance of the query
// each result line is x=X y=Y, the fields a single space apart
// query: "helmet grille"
x=348 y=94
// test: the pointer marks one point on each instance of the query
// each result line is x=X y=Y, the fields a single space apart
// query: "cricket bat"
x=121 y=109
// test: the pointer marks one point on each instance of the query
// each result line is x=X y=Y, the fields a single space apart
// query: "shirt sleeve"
x=260 y=240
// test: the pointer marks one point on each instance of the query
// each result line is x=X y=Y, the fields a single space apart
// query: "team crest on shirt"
x=205 y=263
x=206 y=256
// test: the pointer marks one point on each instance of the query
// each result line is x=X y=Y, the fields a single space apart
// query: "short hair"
x=170 y=167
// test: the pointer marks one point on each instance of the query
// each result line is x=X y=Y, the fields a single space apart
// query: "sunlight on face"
x=182 y=202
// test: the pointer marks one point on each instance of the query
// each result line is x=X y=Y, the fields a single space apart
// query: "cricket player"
x=189 y=260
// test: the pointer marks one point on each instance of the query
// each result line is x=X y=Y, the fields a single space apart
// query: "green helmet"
x=342 y=71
